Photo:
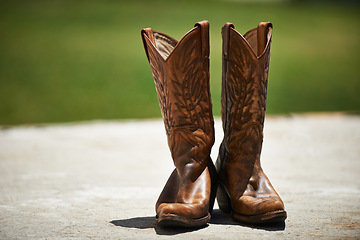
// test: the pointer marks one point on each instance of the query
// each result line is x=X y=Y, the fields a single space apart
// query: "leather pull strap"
x=148 y=32
x=262 y=36
x=204 y=33
x=225 y=32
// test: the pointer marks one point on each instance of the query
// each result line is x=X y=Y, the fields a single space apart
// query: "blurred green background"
x=80 y=60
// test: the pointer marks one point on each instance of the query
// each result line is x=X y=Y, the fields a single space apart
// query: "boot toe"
x=192 y=211
x=181 y=215
x=249 y=205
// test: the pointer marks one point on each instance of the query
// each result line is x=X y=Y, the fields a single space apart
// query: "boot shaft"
x=244 y=87
x=181 y=76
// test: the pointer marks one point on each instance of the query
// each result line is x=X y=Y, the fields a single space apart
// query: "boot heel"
x=223 y=199
x=214 y=184
x=212 y=198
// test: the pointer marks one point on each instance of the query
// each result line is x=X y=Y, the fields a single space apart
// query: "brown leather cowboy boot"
x=244 y=190
x=181 y=75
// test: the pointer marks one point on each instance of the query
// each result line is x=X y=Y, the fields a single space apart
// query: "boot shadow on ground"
x=220 y=218
x=149 y=222
x=217 y=217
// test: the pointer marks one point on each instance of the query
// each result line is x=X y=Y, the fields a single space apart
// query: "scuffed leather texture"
x=181 y=75
x=244 y=91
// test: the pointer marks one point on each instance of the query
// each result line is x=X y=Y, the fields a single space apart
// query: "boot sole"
x=270 y=217
x=224 y=203
x=171 y=220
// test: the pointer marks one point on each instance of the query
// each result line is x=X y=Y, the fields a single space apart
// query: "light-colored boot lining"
x=164 y=44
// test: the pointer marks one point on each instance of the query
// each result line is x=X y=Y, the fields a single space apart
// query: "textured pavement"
x=100 y=180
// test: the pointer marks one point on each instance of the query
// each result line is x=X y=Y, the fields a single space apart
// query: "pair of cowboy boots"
x=181 y=74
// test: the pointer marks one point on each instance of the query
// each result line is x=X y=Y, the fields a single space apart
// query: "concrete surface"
x=100 y=180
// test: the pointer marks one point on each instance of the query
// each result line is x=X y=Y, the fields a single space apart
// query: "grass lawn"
x=80 y=60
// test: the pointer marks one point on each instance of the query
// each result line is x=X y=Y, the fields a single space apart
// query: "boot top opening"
x=165 y=44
